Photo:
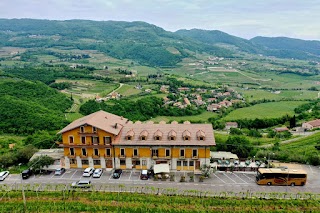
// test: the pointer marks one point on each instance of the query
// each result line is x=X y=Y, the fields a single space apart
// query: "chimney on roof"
x=106 y=117
x=116 y=125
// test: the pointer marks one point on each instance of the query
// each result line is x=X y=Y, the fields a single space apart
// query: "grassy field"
x=127 y=90
x=265 y=110
x=145 y=96
x=88 y=88
x=221 y=138
x=256 y=94
x=203 y=118
x=303 y=146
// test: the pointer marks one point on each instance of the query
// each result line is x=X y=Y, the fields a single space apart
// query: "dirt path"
x=116 y=89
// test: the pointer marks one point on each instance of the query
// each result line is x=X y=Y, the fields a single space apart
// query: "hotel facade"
x=105 y=140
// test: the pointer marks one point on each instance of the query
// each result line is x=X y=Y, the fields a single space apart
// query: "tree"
x=23 y=155
x=41 y=139
x=7 y=160
x=239 y=145
x=235 y=131
x=40 y=162
x=206 y=170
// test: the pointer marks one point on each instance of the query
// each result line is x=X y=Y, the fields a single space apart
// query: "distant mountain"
x=140 y=41
x=145 y=43
x=218 y=37
x=289 y=47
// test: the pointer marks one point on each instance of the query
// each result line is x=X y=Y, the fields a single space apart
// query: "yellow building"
x=88 y=140
x=109 y=141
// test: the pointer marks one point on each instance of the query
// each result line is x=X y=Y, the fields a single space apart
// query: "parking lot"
x=219 y=181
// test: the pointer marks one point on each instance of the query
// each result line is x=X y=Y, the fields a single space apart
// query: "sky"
x=243 y=18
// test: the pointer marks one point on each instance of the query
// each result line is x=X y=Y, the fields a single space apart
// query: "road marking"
x=50 y=176
x=311 y=169
x=248 y=177
x=219 y=178
x=73 y=174
x=229 y=177
x=240 y=178
x=130 y=175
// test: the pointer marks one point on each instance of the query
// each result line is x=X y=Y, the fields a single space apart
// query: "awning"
x=161 y=168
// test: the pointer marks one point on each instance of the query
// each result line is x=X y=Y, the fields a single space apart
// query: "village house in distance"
x=105 y=140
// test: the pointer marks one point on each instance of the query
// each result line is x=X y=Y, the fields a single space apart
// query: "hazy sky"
x=244 y=18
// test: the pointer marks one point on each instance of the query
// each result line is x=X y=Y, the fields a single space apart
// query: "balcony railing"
x=71 y=156
x=96 y=156
x=182 y=157
x=155 y=156
x=195 y=156
x=122 y=156
x=135 y=156
x=88 y=133
x=108 y=156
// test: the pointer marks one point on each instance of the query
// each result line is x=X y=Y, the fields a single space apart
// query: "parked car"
x=117 y=173
x=59 y=171
x=88 y=172
x=4 y=174
x=150 y=173
x=144 y=175
x=26 y=174
x=81 y=184
x=97 y=173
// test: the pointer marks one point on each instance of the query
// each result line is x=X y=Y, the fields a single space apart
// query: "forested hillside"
x=280 y=47
x=215 y=37
x=283 y=47
x=26 y=107
x=143 y=42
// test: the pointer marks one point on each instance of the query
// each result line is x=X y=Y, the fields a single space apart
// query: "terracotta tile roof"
x=158 y=133
x=186 y=133
x=314 y=123
x=130 y=133
x=172 y=133
x=201 y=133
x=167 y=129
x=144 y=133
x=101 y=119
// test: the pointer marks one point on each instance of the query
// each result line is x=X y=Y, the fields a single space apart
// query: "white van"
x=3 y=175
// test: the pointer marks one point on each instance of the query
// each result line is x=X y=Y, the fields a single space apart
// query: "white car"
x=4 y=174
x=97 y=173
x=81 y=184
x=88 y=172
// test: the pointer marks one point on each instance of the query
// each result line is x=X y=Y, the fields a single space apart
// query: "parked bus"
x=281 y=176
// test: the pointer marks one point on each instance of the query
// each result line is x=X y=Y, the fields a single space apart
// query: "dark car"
x=117 y=173
x=144 y=175
x=150 y=173
x=26 y=174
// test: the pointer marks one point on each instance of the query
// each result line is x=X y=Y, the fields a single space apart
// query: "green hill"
x=283 y=47
x=218 y=37
x=140 y=41
x=29 y=106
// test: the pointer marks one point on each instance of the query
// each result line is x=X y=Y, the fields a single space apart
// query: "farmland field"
x=256 y=94
x=86 y=201
x=127 y=90
x=265 y=110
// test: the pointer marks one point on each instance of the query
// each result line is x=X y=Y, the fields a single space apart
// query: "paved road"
x=218 y=182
